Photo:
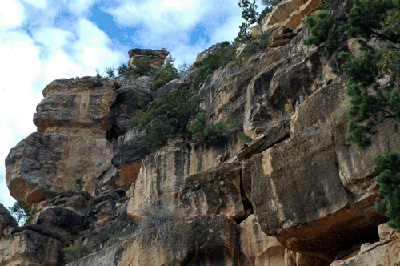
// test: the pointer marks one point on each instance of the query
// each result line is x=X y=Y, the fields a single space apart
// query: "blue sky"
x=43 y=40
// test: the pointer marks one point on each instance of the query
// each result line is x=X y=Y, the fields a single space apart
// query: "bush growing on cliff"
x=166 y=73
x=200 y=129
x=22 y=213
x=170 y=117
x=76 y=251
x=373 y=84
x=212 y=62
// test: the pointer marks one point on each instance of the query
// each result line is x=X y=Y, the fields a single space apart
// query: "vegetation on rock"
x=166 y=73
x=372 y=85
x=22 y=213
x=76 y=251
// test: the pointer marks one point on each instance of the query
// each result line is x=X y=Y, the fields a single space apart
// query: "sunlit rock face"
x=156 y=57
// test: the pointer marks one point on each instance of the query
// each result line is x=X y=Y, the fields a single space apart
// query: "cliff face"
x=298 y=194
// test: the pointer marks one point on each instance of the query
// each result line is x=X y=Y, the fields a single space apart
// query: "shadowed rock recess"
x=298 y=194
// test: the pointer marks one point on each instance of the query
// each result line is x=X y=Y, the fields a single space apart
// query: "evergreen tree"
x=374 y=100
x=166 y=73
x=170 y=117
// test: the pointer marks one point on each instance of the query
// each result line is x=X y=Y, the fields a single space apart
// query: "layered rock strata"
x=156 y=57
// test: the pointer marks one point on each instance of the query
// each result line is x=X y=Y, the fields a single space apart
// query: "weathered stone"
x=76 y=201
x=378 y=254
x=76 y=107
x=6 y=220
x=130 y=99
x=289 y=14
x=298 y=196
x=52 y=162
x=274 y=92
x=29 y=247
x=212 y=50
x=169 y=171
x=258 y=248
x=156 y=57
x=102 y=213
x=205 y=240
x=104 y=257
x=61 y=220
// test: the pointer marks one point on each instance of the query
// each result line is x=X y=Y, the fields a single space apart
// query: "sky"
x=43 y=40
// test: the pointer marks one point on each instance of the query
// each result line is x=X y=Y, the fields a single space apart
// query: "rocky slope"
x=298 y=194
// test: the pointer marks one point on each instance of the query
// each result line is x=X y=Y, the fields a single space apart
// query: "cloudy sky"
x=43 y=40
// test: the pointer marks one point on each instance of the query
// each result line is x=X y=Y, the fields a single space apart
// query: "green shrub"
x=140 y=120
x=166 y=73
x=124 y=70
x=200 y=129
x=212 y=62
x=21 y=212
x=170 y=117
x=110 y=72
x=113 y=238
x=76 y=251
x=245 y=139
x=78 y=184
x=141 y=67
x=334 y=115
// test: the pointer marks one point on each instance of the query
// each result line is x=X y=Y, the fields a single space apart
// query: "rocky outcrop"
x=206 y=240
x=29 y=246
x=52 y=162
x=156 y=57
x=6 y=220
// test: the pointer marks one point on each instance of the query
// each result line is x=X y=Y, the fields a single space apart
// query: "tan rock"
x=379 y=254
x=76 y=107
x=258 y=248
x=175 y=169
x=53 y=162
x=206 y=240
x=289 y=14
x=156 y=57
x=29 y=248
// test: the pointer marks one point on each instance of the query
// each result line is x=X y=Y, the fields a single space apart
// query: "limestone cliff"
x=299 y=194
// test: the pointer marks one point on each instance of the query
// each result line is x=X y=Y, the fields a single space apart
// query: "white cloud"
x=37 y=3
x=11 y=14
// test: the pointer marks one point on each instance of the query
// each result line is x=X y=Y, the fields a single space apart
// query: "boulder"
x=28 y=246
x=76 y=107
x=62 y=221
x=76 y=201
x=52 y=162
x=205 y=240
x=6 y=220
x=156 y=57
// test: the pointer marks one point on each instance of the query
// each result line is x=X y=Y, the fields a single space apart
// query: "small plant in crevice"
x=245 y=139
x=334 y=115
x=22 y=213
x=78 y=184
x=114 y=238
x=76 y=251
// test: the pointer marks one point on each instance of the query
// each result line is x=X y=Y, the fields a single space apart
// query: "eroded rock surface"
x=156 y=57
x=206 y=240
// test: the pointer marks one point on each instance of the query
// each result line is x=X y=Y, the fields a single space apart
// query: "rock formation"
x=298 y=194
x=156 y=57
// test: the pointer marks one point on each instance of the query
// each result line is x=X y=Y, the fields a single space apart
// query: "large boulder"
x=156 y=57
x=6 y=220
x=205 y=240
x=52 y=162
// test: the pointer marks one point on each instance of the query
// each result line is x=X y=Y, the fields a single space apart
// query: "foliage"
x=138 y=98
x=76 y=251
x=170 y=117
x=78 y=184
x=21 y=212
x=323 y=30
x=141 y=67
x=372 y=86
x=200 y=129
x=90 y=203
x=110 y=72
x=166 y=73
x=334 y=115
x=388 y=170
x=140 y=120
x=271 y=2
x=245 y=139
x=124 y=70
x=98 y=73
x=113 y=238
x=212 y=62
